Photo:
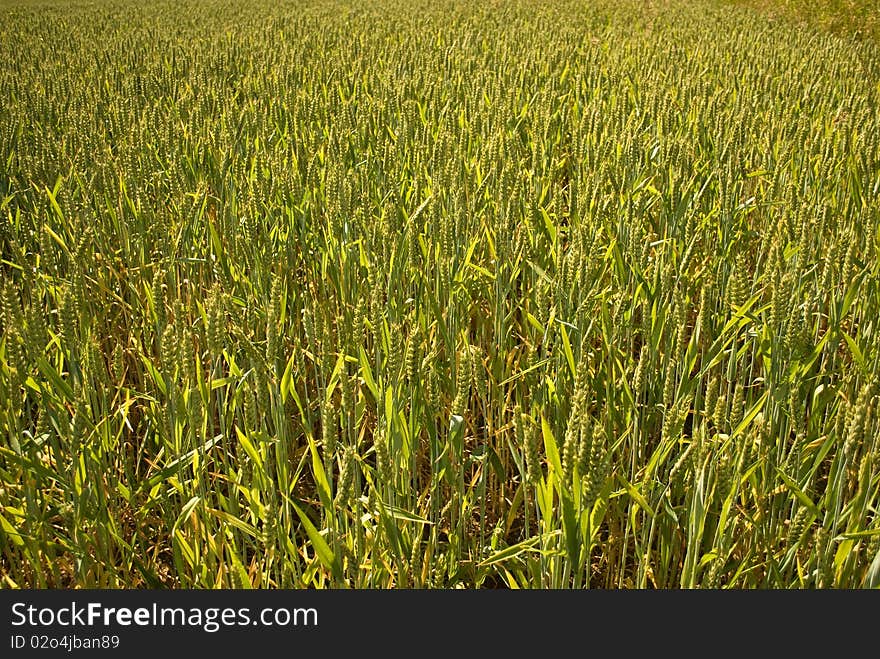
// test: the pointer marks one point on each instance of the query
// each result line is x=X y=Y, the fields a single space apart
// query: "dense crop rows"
x=859 y=19
x=437 y=294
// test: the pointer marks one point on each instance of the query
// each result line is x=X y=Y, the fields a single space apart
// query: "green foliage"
x=420 y=294
x=858 y=19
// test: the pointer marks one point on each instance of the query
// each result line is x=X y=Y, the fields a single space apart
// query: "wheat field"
x=438 y=294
